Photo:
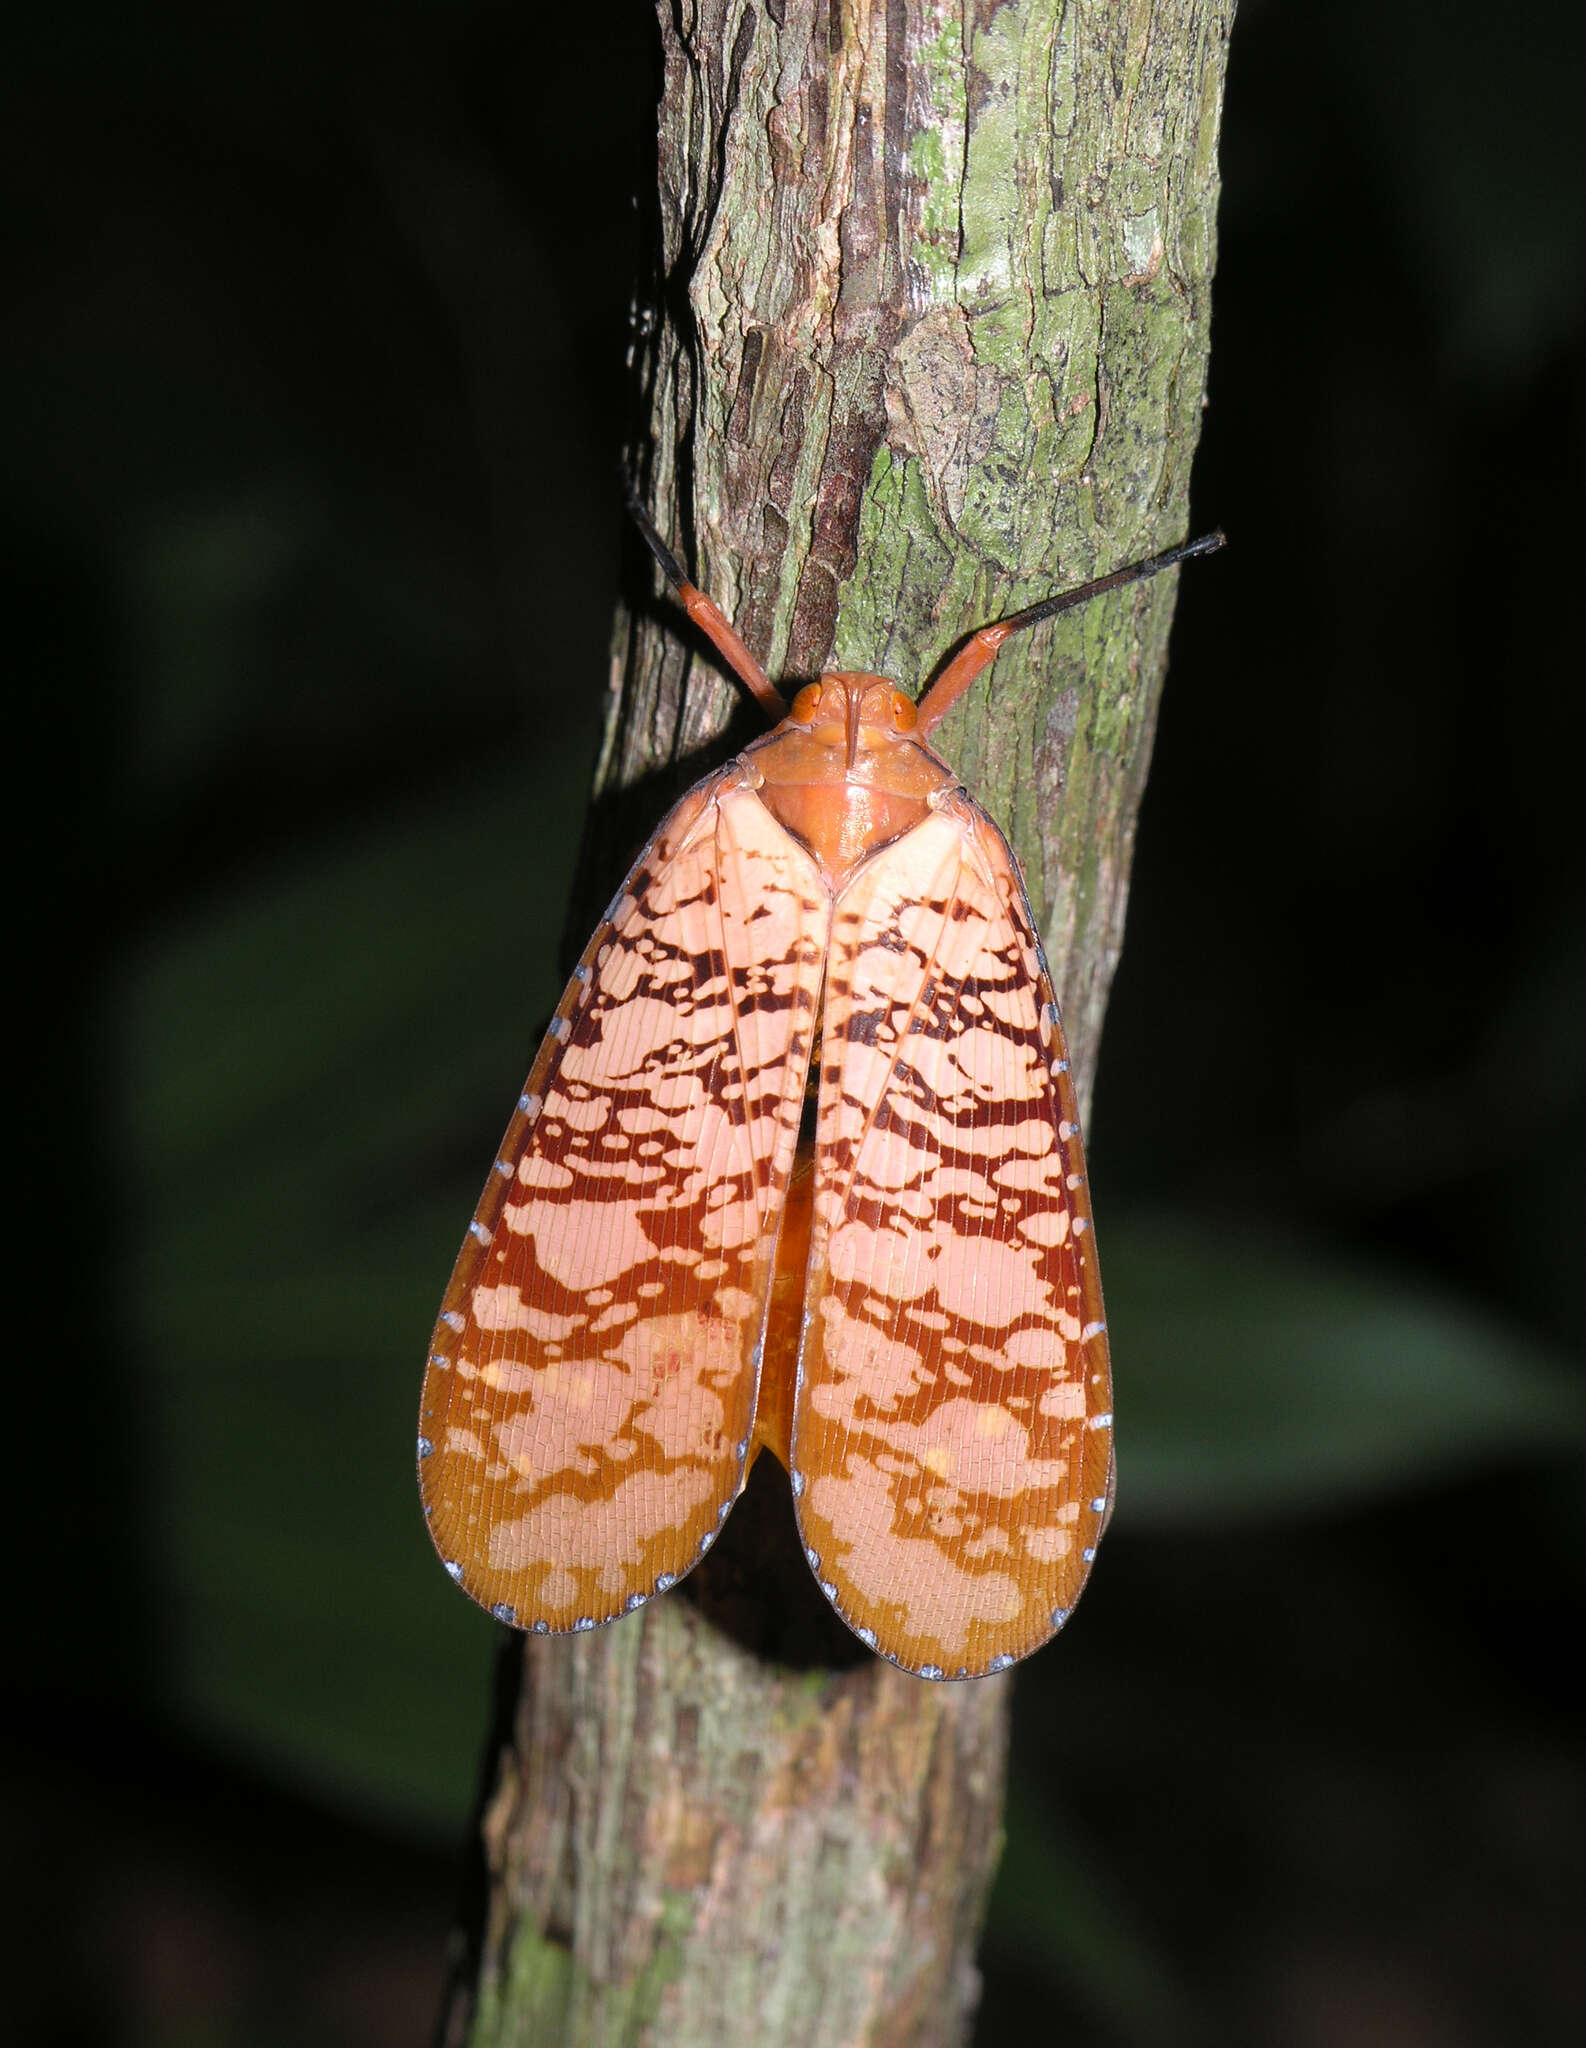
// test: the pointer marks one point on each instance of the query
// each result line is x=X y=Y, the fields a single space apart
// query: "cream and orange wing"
x=591 y=1385
x=952 y=1443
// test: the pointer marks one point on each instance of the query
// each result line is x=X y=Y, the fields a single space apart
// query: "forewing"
x=591 y=1382
x=952 y=1441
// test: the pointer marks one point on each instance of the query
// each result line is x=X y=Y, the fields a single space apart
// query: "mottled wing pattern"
x=952 y=1443
x=591 y=1384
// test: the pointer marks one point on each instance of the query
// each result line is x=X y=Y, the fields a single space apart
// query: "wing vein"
x=884 y=1091
x=732 y=1006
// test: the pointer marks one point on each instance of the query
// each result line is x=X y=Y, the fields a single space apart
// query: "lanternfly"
x=667 y=1275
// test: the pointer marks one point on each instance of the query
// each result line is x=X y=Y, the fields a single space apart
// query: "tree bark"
x=930 y=343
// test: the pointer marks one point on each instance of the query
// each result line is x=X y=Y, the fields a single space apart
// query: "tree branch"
x=934 y=284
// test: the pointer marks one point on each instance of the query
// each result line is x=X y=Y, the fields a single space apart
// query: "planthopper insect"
x=798 y=1168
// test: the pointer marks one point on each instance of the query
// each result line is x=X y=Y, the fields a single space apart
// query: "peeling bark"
x=930 y=343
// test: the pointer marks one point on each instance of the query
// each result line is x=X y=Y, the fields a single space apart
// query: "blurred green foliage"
x=281 y=1307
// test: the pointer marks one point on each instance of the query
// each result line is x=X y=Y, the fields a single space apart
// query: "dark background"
x=315 y=384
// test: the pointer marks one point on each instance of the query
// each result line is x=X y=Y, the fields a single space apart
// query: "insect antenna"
x=981 y=647
x=707 y=614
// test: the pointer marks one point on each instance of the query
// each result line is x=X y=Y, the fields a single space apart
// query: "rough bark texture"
x=929 y=343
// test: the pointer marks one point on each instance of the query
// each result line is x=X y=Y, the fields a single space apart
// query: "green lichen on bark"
x=691 y=1844
x=534 y=1996
x=546 y=1994
x=952 y=301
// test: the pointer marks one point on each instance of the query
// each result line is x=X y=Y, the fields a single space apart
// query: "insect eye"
x=806 y=704
x=904 y=715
